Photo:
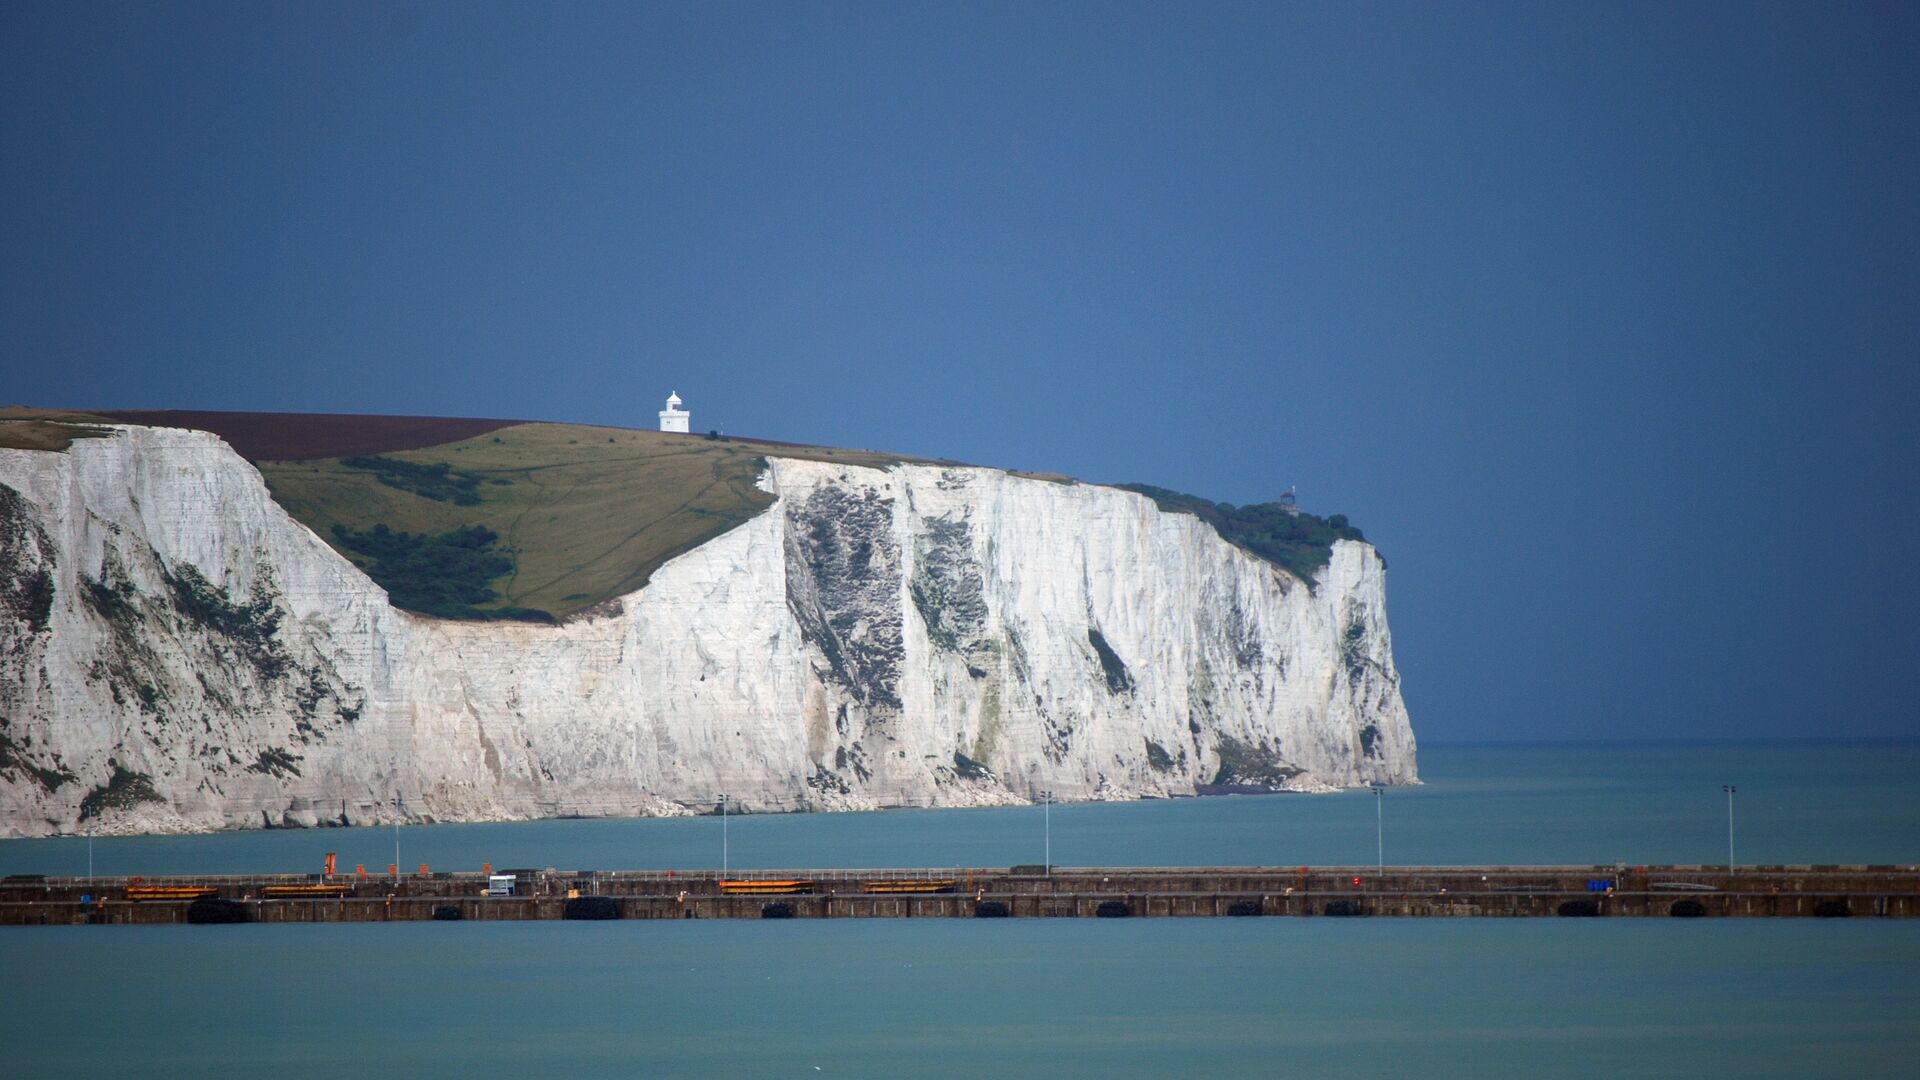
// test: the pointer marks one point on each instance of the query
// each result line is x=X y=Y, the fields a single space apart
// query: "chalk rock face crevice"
x=177 y=653
x=843 y=586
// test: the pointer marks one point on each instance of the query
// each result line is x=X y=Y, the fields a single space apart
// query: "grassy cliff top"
x=491 y=519
x=531 y=520
x=479 y=518
x=47 y=429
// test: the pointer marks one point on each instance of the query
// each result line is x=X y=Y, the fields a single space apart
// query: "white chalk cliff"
x=177 y=653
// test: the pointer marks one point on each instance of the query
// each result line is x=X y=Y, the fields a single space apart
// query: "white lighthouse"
x=673 y=417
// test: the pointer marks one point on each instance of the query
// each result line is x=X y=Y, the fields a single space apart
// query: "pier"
x=1004 y=892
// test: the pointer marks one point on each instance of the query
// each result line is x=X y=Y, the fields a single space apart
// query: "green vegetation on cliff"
x=126 y=788
x=1281 y=534
x=440 y=482
x=531 y=521
x=14 y=757
x=445 y=575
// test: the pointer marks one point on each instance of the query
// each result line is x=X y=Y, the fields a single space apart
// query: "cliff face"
x=177 y=653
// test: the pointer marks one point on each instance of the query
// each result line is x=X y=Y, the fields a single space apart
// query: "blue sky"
x=1600 y=319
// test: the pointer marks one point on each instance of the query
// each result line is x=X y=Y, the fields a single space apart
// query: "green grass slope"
x=531 y=521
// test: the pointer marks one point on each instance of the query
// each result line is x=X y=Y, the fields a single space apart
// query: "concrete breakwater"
x=1016 y=892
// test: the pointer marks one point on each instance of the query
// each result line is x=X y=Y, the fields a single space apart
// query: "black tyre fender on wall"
x=591 y=908
x=212 y=911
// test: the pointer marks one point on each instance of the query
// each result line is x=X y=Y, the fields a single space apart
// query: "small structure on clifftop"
x=673 y=417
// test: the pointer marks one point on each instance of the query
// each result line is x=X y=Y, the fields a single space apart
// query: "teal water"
x=1802 y=802
x=1054 y=998
x=998 y=998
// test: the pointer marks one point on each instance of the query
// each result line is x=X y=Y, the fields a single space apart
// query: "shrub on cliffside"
x=126 y=788
x=447 y=574
x=1276 y=532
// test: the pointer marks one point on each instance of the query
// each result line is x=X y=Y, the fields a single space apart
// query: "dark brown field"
x=309 y=436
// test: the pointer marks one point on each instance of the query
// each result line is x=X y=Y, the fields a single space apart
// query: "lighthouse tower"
x=673 y=417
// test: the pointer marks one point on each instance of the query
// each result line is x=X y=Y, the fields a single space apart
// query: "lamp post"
x=89 y=855
x=1729 y=789
x=723 y=836
x=1380 y=829
x=1046 y=824
x=396 y=838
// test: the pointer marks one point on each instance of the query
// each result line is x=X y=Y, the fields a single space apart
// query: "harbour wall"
x=1014 y=892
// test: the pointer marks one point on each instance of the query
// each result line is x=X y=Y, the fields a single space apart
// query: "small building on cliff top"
x=673 y=417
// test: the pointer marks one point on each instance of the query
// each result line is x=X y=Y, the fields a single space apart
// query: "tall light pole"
x=1380 y=828
x=89 y=855
x=723 y=836
x=1046 y=819
x=1729 y=789
x=396 y=838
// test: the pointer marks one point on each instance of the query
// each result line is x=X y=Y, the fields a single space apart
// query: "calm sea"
x=1243 y=997
x=1803 y=802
